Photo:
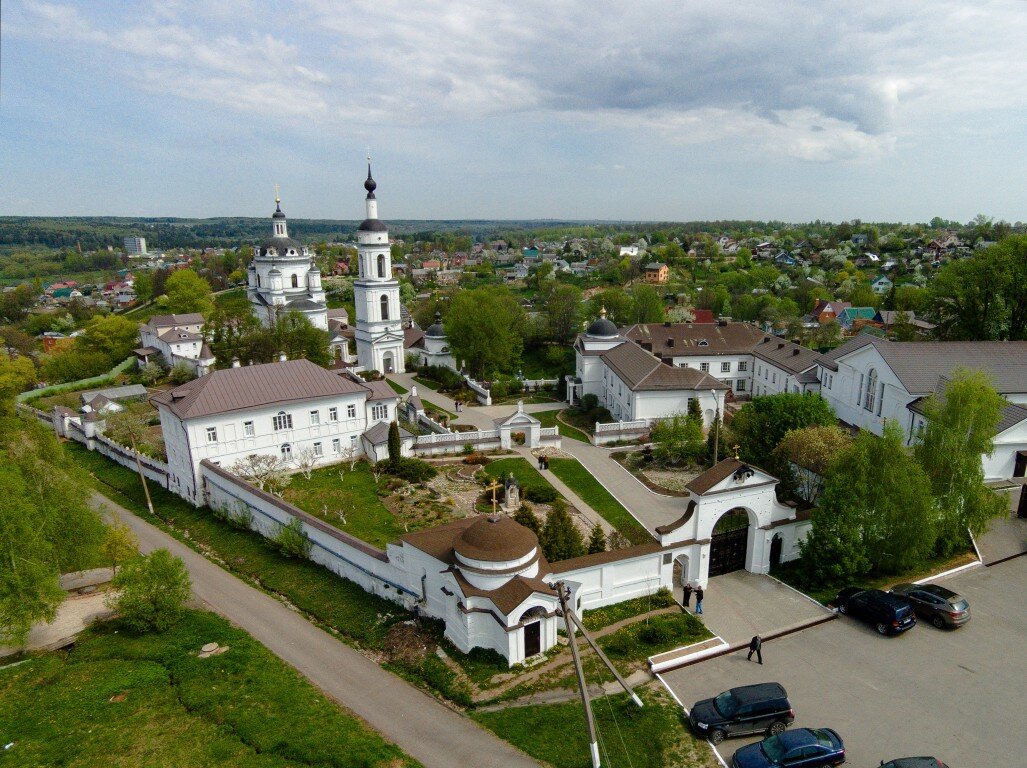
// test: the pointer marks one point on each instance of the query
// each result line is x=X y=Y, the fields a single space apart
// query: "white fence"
x=454 y=442
x=622 y=430
x=483 y=395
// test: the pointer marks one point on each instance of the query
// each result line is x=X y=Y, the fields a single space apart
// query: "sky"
x=648 y=111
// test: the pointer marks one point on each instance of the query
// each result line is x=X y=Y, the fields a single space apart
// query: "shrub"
x=151 y=591
x=369 y=375
x=601 y=416
x=655 y=634
x=181 y=373
x=540 y=494
x=519 y=438
x=411 y=470
x=292 y=540
x=589 y=402
x=477 y=458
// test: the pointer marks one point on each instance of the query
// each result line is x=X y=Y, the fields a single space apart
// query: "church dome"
x=496 y=540
x=436 y=330
x=601 y=327
x=282 y=246
x=372 y=225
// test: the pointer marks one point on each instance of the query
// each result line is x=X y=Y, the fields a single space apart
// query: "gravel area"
x=672 y=479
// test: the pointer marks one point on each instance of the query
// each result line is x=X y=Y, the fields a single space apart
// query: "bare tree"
x=131 y=429
x=305 y=461
x=266 y=471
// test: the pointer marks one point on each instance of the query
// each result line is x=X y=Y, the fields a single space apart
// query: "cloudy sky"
x=587 y=110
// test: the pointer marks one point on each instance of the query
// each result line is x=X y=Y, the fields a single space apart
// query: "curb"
x=797 y=591
x=952 y=571
x=1004 y=559
x=689 y=658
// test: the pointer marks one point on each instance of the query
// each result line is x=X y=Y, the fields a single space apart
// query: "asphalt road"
x=421 y=726
x=957 y=695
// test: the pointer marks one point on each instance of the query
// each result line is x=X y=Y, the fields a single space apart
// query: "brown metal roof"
x=786 y=355
x=495 y=539
x=255 y=386
x=720 y=471
x=510 y=595
x=379 y=390
x=412 y=337
x=696 y=338
x=641 y=371
x=438 y=541
x=600 y=558
x=166 y=321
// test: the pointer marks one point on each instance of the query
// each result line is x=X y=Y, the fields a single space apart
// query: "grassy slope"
x=241 y=708
x=596 y=496
x=548 y=419
x=522 y=470
x=398 y=388
x=597 y=618
x=354 y=496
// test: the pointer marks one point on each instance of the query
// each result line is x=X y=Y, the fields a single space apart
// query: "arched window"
x=868 y=400
x=381 y=265
x=385 y=307
x=295 y=281
x=286 y=452
x=258 y=280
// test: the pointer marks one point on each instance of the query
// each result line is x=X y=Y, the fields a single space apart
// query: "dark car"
x=888 y=614
x=803 y=747
x=942 y=607
x=748 y=709
x=915 y=762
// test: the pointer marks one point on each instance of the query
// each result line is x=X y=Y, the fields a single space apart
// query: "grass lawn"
x=597 y=618
x=596 y=496
x=398 y=388
x=791 y=573
x=118 y=699
x=653 y=737
x=658 y=634
x=526 y=474
x=548 y=419
x=355 y=496
x=436 y=410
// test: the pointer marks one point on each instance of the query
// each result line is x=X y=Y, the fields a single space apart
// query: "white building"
x=869 y=379
x=135 y=247
x=379 y=329
x=431 y=347
x=176 y=339
x=283 y=277
x=287 y=409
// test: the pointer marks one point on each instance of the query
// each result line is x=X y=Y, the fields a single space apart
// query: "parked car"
x=888 y=614
x=940 y=606
x=748 y=709
x=915 y=762
x=804 y=747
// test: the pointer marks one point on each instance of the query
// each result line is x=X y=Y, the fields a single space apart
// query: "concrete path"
x=576 y=501
x=73 y=615
x=1006 y=536
x=421 y=726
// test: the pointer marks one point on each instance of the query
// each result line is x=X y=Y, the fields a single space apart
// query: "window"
x=352 y=441
x=282 y=421
x=212 y=434
x=743 y=365
x=859 y=394
x=880 y=399
x=247 y=428
x=385 y=307
x=871 y=391
x=315 y=418
x=773 y=378
x=351 y=411
x=318 y=450
x=381 y=265
x=725 y=367
x=704 y=367
x=333 y=414
x=286 y=452
x=295 y=281
x=336 y=446
x=740 y=385
x=380 y=412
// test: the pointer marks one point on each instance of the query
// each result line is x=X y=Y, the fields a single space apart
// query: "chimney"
x=780 y=345
x=666 y=324
x=795 y=352
x=670 y=342
x=235 y=362
x=282 y=357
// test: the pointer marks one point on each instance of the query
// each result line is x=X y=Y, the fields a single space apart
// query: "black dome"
x=281 y=245
x=370 y=185
x=372 y=225
x=436 y=329
x=278 y=212
x=602 y=327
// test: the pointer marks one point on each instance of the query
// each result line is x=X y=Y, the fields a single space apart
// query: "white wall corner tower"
x=379 y=331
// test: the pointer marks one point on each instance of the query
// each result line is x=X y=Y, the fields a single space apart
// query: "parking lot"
x=958 y=695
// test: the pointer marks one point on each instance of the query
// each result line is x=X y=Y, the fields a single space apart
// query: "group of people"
x=543 y=462
x=755 y=645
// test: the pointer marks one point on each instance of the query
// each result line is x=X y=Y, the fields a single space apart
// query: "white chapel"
x=283 y=277
x=379 y=330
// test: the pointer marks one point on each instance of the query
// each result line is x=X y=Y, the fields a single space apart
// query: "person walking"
x=699 y=594
x=688 y=594
x=755 y=646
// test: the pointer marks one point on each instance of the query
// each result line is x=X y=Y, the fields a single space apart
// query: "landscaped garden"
x=121 y=699
x=551 y=419
x=592 y=492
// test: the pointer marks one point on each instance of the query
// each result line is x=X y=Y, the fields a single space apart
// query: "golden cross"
x=494 y=487
x=735 y=447
x=277 y=198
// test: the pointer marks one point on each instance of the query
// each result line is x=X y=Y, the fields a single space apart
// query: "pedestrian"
x=539 y=462
x=755 y=646
x=698 y=599
x=545 y=462
x=688 y=594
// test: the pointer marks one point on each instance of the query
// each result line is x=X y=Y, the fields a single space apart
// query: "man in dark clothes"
x=755 y=646
x=698 y=599
x=688 y=594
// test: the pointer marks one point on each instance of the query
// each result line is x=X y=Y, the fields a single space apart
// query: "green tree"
x=561 y=540
x=152 y=591
x=968 y=298
x=761 y=423
x=597 y=540
x=617 y=304
x=395 y=453
x=526 y=517
x=119 y=545
x=561 y=309
x=188 y=292
x=74 y=363
x=961 y=425
x=875 y=513
x=143 y=286
x=131 y=429
x=16 y=375
x=678 y=439
x=113 y=335
x=646 y=305
x=812 y=449
x=1011 y=254
x=485 y=328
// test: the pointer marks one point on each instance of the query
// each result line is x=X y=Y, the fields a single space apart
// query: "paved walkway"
x=421 y=726
x=1006 y=536
x=73 y=615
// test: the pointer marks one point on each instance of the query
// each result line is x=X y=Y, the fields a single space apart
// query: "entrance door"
x=775 y=550
x=387 y=362
x=1021 y=510
x=1021 y=464
x=728 y=543
x=532 y=639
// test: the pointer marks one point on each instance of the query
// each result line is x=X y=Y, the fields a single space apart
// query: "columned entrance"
x=729 y=542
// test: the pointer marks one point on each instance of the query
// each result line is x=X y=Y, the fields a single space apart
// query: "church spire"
x=371 y=185
x=278 y=225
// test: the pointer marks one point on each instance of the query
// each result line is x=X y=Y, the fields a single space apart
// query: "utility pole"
x=601 y=655
x=593 y=742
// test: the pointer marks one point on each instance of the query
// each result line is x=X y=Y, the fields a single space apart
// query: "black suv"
x=888 y=614
x=761 y=708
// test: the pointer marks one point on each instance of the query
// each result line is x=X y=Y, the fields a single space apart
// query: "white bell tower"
x=379 y=330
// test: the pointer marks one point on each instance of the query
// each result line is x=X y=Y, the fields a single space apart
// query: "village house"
x=656 y=272
x=174 y=340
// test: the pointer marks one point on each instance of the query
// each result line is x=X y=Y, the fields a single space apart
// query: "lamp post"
x=716 y=427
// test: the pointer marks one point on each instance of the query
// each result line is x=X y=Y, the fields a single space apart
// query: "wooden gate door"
x=532 y=639
x=727 y=551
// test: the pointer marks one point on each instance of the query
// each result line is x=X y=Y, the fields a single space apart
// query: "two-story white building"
x=869 y=379
x=175 y=339
x=285 y=409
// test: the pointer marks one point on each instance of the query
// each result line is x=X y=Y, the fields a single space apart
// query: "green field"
x=548 y=419
x=591 y=491
x=117 y=699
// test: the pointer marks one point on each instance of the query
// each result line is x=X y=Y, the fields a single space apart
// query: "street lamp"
x=716 y=427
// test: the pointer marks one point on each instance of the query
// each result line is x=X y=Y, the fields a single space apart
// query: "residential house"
x=852 y=318
x=881 y=285
x=656 y=272
x=175 y=339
